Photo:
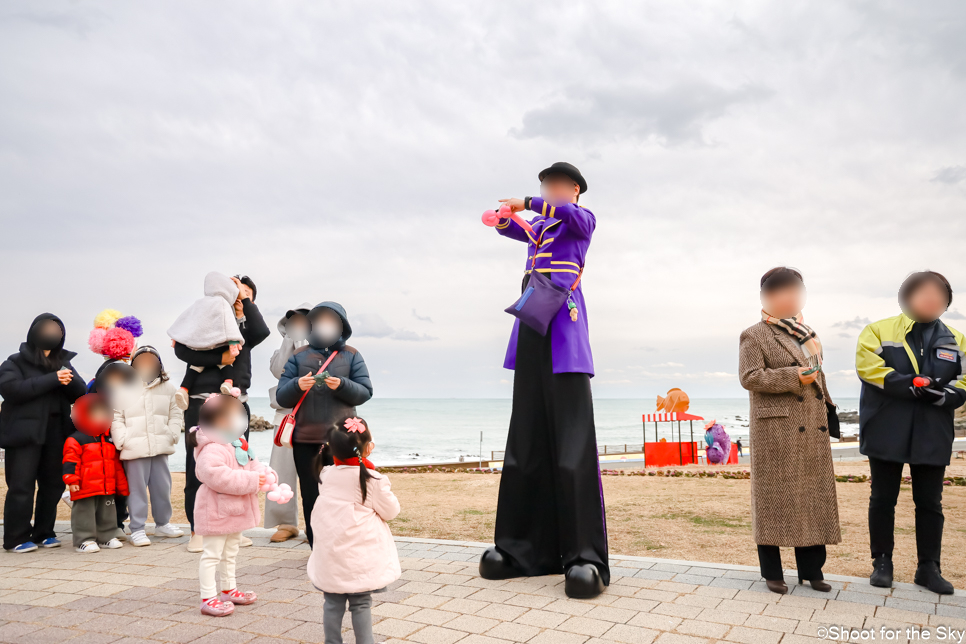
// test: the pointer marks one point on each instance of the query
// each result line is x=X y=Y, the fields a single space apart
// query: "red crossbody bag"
x=286 y=428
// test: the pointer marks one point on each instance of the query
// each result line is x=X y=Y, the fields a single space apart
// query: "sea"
x=432 y=430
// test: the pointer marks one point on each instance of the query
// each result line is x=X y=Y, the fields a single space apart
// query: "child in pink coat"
x=227 y=500
x=354 y=553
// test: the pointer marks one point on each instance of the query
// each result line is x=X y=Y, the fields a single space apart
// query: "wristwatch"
x=526 y=203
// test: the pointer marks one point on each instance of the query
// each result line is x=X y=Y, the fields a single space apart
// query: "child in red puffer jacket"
x=93 y=474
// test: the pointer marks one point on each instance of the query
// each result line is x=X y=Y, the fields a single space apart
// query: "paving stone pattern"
x=151 y=595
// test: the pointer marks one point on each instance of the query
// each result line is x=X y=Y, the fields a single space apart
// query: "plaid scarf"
x=807 y=338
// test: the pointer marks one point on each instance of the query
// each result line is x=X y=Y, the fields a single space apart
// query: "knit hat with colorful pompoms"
x=113 y=334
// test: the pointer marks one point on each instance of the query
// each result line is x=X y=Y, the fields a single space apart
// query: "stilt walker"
x=550 y=515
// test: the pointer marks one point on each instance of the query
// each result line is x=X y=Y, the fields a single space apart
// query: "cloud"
x=954 y=315
x=422 y=318
x=855 y=323
x=669 y=115
x=669 y=364
x=372 y=325
x=950 y=174
x=411 y=336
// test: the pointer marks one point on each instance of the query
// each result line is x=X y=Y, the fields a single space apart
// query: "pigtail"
x=320 y=460
x=364 y=474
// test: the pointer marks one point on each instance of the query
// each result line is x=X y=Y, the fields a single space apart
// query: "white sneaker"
x=88 y=546
x=113 y=544
x=65 y=497
x=138 y=538
x=168 y=530
x=196 y=543
x=245 y=542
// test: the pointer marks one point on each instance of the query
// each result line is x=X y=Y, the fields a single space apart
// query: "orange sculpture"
x=676 y=401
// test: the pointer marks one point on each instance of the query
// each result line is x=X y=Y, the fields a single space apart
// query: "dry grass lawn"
x=674 y=518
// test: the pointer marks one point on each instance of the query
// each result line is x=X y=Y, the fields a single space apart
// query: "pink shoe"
x=239 y=598
x=216 y=607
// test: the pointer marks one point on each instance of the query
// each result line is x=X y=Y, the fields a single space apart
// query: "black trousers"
x=927 y=493
x=28 y=468
x=304 y=454
x=191 y=482
x=550 y=513
x=809 y=561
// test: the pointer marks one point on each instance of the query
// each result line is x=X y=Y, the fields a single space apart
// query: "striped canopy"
x=666 y=417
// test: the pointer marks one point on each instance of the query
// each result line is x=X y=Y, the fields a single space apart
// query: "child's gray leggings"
x=333 y=611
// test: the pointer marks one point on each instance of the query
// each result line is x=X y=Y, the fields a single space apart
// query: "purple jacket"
x=560 y=239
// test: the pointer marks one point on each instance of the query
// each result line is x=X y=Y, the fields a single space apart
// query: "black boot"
x=493 y=565
x=929 y=575
x=583 y=582
x=881 y=572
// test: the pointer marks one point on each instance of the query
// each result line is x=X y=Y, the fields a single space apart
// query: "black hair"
x=779 y=278
x=247 y=281
x=54 y=361
x=344 y=445
x=917 y=280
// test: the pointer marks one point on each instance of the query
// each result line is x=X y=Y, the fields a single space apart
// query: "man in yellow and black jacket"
x=912 y=367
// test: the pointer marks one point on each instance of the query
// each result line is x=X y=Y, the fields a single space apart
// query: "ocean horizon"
x=408 y=431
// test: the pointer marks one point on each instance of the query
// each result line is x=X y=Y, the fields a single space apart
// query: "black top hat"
x=567 y=169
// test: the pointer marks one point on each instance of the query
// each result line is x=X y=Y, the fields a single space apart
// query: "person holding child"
x=328 y=396
x=793 y=500
x=550 y=514
x=146 y=433
x=94 y=475
x=227 y=500
x=211 y=379
x=912 y=371
x=38 y=385
x=355 y=553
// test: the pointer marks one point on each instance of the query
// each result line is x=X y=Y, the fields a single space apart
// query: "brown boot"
x=818 y=584
x=777 y=586
x=284 y=533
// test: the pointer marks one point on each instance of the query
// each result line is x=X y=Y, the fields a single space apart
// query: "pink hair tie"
x=193 y=429
x=354 y=425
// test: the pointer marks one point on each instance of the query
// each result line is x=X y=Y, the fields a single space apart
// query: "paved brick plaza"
x=150 y=595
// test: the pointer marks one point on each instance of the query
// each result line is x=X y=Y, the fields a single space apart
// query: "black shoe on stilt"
x=583 y=581
x=881 y=576
x=493 y=565
x=929 y=575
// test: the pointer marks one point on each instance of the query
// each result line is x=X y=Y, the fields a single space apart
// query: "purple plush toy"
x=719 y=443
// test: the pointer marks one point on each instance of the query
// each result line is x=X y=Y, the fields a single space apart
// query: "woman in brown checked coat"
x=793 y=502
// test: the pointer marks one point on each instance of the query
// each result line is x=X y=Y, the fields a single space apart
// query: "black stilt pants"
x=550 y=514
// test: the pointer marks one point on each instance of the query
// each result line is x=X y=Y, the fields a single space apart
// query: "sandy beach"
x=674 y=518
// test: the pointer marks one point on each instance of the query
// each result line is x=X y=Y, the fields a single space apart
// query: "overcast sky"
x=345 y=151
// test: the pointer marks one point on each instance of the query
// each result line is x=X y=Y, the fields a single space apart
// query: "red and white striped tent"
x=671 y=417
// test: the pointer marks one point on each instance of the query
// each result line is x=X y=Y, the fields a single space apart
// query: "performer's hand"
x=516 y=205
x=65 y=376
x=333 y=382
x=73 y=488
x=306 y=382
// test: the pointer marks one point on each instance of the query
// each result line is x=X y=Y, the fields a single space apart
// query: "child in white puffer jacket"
x=144 y=435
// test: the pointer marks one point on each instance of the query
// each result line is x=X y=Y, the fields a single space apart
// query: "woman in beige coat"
x=793 y=502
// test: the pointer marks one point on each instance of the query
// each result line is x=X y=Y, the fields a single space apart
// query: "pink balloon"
x=492 y=217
